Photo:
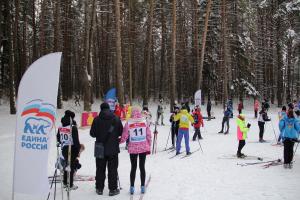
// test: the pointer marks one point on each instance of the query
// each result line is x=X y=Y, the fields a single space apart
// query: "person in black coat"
x=263 y=117
x=64 y=140
x=174 y=125
x=100 y=131
x=208 y=109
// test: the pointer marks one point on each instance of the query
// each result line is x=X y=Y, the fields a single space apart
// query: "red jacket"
x=240 y=106
x=198 y=119
x=118 y=111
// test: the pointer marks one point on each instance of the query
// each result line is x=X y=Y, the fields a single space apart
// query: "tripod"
x=59 y=167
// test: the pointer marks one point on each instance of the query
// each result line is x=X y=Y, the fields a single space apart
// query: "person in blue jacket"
x=290 y=127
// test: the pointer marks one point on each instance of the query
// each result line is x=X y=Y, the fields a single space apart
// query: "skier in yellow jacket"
x=184 y=124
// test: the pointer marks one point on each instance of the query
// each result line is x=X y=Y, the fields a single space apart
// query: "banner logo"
x=39 y=118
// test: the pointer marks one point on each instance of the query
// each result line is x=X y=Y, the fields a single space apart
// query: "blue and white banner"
x=36 y=114
x=111 y=98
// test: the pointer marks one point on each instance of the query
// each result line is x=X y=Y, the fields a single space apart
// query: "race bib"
x=65 y=136
x=137 y=132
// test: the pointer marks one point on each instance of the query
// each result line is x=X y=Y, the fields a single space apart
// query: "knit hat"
x=69 y=113
x=136 y=112
x=104 y=106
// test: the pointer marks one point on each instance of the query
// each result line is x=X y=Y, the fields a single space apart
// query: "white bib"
x=65 y=136
x=137 y=131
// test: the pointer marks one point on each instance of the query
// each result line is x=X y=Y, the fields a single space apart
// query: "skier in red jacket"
x=198 y=122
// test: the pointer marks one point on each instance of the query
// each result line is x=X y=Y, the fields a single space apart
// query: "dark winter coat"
x=174 y=124
x=65 y=121
x=263 y=116
x=99 y=130
x=208 y=107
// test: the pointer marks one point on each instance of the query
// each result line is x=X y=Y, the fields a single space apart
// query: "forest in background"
x=168 y=48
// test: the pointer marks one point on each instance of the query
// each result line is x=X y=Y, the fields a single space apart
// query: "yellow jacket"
x=184 y=117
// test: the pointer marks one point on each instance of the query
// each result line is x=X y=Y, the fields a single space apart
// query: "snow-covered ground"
x=202 y=176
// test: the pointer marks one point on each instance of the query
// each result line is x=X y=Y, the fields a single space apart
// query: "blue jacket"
x=289 y=127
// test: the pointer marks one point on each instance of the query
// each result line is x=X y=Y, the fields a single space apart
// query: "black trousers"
x=74 y=155
x=255 y=113
x=112 y=163
x=225 y=119
x=174 y=135
x=288 y=151
x=261 y=126
x=197 y=133
x=142 y=160
x=241 y=145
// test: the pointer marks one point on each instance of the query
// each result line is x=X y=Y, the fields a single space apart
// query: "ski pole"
x=168 y=138
x=199 y=144
x=53 y=181
x=274 y=131
x=295 y=150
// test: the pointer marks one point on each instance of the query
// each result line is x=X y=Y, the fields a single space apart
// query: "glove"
x=57 y=144
x=296 y=140
x=248 y=125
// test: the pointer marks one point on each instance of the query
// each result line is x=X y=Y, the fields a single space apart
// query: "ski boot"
x=131 y=190
x=143 y=189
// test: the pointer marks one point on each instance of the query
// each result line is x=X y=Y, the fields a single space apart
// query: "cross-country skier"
x=174 y=125
x=65 y=139
x=240 y=106
x=198 y=122
x=138 y=132
x=160 y=112
x=256 y=107
x=226 y=119
x=242 y=130
x=208 y=109
x=263 y=117
x=290 y=128
x=184 y=118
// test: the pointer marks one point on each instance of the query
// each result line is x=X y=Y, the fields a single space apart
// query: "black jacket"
x=99 y=130
x=76 y=144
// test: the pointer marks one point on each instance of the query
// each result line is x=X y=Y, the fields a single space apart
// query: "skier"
x=65 y=139
x=208 y=109
x=174 y=125
x=226 y=119
x=230 y=107
x=107 y=128
x=184 y=118
x=77 y=102
x=290 y=128
x=147 y=115
x=256 y=107
x=266 y=104
x=240 y=106
x=139 y=134
x=198 y=122
x=263 y=117
x=242 y=130
x=282 y=115
x=160 y=112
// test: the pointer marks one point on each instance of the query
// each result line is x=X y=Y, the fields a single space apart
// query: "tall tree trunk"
x=7 y=55
x=173 y=65
x=163 y=60
x=200 y=79
x=87 y=71
x=120 y=86
x=279 y=63
x=224 y=54
x=148 y=55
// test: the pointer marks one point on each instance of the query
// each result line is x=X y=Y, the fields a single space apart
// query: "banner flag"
x=36 y=114
x=111 y=98
x=198 y=98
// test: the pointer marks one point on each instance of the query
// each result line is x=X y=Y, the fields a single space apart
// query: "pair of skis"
x=265 y=164
x=185 y=156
